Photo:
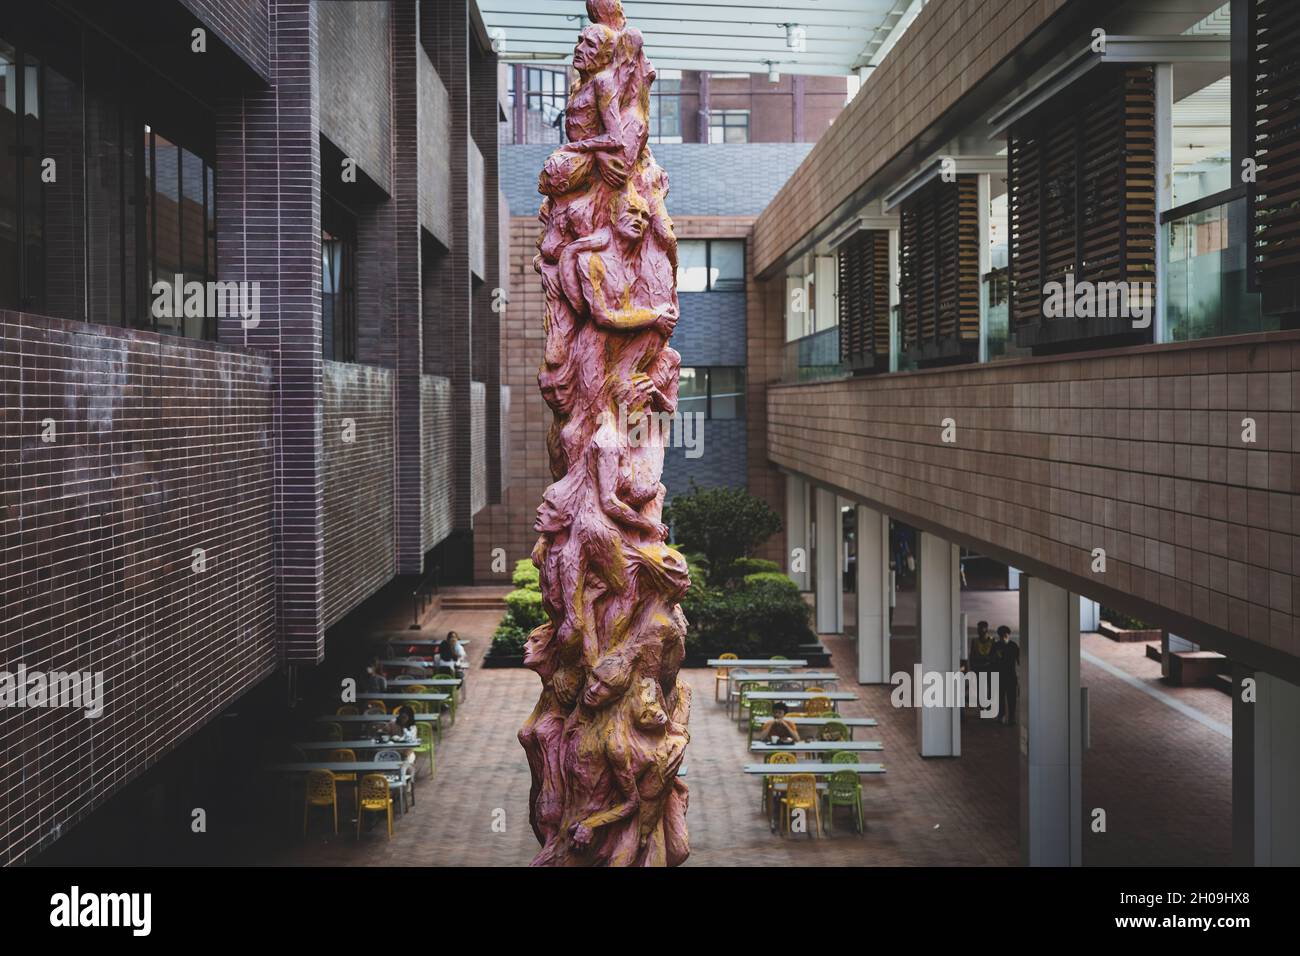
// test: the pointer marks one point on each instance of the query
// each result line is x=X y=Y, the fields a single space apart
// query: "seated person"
x=451 y=655
x=780 y=726
x=376 y=683
x=402 y=727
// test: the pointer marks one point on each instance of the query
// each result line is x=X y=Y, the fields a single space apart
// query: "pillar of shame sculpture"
x=606 y=739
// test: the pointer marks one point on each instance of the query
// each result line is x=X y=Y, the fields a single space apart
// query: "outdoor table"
x=820 y=769
x=366 y=744
x=751 y=662
x=402 y=698
x=369 y=718
x=818 y=746
x=412 y=641
x=340 y=766
x=793 y=696
x=423 y=682
x=849 y=722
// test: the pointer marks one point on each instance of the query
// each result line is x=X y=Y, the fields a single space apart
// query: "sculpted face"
x=632 y=219
x=593 y=49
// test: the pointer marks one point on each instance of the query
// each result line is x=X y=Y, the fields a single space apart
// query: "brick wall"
x=161 y=446
x=435 y=171
x=355 y=82
x=435 y=442
x=268 y=231
x=477 y=423
x=1138 y=452
x=243 y=25
x=359 y=505
x=950 y=47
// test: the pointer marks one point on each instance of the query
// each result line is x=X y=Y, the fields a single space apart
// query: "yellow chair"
x=770 y=783
x=375 y=796
x=376 y=707
x=417 y=689
x=333 y=732
x=343 y=757
x=818 y=707
x=801 y=794
x=320 y=792
x=723 y=674
x=347 y=710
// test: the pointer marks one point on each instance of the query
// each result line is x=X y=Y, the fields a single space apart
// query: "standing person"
x=376 y=682
x=1006 y=657
x=451 y=654
x=980 y=659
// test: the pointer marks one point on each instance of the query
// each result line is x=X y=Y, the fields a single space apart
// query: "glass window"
x=1205 y=276
x=726 y=393
x=665 y=124
x=729 y=126
x=9 y=195
x=727 y=264
x=692 y=265
x=338 y=282
x=1201 y=144
x=693 y=392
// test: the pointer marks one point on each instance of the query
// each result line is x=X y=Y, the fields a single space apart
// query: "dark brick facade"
x=160 y=446
x=168 y=444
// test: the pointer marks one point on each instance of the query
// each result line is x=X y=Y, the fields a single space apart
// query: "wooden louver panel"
x=1082 y=197
x=864 y=298
x=1275 y=143
x=939 y=268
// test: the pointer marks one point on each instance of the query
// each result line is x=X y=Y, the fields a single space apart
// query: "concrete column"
x=873 y=596
x=1089 y=614
x=1050 y=715
x=1244 y=694
x=796 y=531
x=1276 y=770
x=938 y=729
x=830 y=581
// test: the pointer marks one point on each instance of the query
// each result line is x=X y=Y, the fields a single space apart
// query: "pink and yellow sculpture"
x=606 y=739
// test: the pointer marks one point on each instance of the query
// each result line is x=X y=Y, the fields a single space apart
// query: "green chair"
x=425 y=733
x=844 y=789
x=834 y=731
x=844 y=756
x=759 y=711
x=743 y=701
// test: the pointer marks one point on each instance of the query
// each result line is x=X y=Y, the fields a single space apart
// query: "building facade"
x=1038 y=301
x=250 y=262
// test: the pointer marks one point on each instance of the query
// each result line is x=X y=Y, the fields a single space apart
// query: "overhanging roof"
x=731 y=36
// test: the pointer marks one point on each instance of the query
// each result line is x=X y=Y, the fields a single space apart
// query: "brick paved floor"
x=1163 y=778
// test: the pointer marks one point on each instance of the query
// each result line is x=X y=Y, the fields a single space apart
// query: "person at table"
x=451 y=655
x=780 y=726
x=376 y=682
x=402 y=727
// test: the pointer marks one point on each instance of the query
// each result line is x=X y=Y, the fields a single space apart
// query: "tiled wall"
x=435 y=168
x=241 y=25
x=354 y=82
x=437 y=517
x=478 y=446
x=160 y=446
x=360 y=507
x=1138 y=452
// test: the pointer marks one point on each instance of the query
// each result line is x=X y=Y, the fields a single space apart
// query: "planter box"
x=1120 y=634
x=494 y=658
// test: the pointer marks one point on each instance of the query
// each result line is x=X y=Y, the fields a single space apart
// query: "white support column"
x=796 y=529
x=938 y=729
x=1089 y=614
x=1050 y=713
x=830 y=580
x=873 y=596
x=1277 y=771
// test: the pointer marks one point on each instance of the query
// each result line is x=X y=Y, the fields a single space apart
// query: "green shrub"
x=757 y=618
x=509 y=639
x=771 y=577
x=725 y=524
x=1124 y=621
x=525 y=608
x=526 y=575
x=747 y=566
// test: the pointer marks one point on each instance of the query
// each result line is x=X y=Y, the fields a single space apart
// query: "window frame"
x=731 y=284
x=706 y=371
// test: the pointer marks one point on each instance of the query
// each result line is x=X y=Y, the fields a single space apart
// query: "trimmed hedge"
x=762 y=616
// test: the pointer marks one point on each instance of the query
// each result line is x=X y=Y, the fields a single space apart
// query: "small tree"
x=724 y=524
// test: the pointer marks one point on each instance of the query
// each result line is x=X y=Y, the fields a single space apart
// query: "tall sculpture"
x=606 y=739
